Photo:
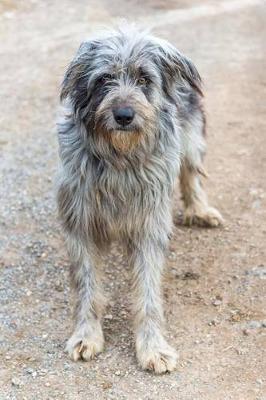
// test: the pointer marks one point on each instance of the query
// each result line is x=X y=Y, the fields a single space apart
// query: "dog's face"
x=119 y=85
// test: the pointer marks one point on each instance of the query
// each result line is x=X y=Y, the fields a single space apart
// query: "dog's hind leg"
x=197 y=210
x=153 y=352
x=87 y=339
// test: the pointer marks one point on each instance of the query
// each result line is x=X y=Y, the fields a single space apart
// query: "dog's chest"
x=124 y=198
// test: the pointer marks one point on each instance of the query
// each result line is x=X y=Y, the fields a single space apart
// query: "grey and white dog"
x=132 y=122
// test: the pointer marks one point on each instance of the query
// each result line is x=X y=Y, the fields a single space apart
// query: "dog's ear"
x=79 y=68
x=178 y=68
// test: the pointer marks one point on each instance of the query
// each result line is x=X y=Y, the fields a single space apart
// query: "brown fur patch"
x=124 y=141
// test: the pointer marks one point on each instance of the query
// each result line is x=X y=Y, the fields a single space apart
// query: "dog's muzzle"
x=124 y=115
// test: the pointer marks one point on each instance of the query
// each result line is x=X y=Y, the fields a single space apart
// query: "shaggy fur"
x=117 y=180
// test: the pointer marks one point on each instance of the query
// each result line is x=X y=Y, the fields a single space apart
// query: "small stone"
x=190 y=275
x=42 y=372
x=242 y=351
x=107 y=385
x=111 y=397
x=254 y=324
x=118 y=373
x=59 y=286
x=16 y=382
x=172 y=255
x=258 y=272
x=29 y=371
x=216 y=302
x=256 y=204
x=108 y=316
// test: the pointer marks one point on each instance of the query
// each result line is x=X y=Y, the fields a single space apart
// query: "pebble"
x=107 y=385
x=66 y=366
x=42 y=372
x=16 y=382
x=254 y=324
x=172 y=256
x=258 y=272
x=216 y=302
x=29 y=371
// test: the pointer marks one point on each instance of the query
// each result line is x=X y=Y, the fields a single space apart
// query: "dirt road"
x=214 y=284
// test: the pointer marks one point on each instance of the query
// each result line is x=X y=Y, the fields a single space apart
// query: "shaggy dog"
x=132 y=122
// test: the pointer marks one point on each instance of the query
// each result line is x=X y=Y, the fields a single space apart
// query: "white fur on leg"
x=154 y=353
x=201 y=215
x=86 y=342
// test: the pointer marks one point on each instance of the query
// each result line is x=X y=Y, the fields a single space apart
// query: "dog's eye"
x=105 y=78
x=143 y=81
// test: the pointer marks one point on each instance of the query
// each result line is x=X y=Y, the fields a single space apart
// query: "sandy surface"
x=215 y=281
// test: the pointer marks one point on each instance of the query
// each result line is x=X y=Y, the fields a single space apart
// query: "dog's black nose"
x=124 y=115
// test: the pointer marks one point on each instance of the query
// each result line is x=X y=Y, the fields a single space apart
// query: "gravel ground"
x=214 y=284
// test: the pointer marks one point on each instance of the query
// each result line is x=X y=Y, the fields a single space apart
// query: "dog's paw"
x=159 y=358
x=204 y=217
x=85 y=346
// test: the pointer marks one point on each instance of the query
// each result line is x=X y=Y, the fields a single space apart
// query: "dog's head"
x=119 y=85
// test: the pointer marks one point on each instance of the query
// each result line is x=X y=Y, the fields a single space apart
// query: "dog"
x=132 y=121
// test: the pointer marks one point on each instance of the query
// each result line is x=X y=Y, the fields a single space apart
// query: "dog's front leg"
x=87 y=339
x=153 y=352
